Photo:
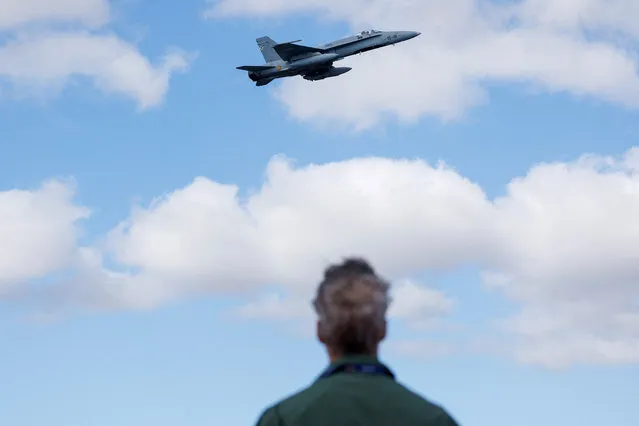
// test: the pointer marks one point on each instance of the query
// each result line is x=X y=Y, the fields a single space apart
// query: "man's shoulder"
x=442 y=417
x=302 y=398
x=272 y=416
x=435 y=413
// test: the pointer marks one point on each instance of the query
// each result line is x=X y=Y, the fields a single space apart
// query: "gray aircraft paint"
x=316 y=63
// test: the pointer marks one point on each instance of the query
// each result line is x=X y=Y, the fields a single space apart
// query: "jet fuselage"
x=316 y=63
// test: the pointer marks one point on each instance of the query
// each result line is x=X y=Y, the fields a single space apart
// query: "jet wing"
x=286 y=51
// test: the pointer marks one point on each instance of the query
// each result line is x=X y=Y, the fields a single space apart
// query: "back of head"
x=351 y=304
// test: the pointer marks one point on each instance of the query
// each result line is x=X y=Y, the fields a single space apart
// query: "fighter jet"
x=316 y=63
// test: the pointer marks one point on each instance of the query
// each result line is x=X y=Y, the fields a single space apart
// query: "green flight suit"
x=355 y=399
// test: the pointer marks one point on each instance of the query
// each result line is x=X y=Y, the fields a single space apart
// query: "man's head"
x=351 y=305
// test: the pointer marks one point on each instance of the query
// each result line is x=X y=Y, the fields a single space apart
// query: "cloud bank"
x=562 y=244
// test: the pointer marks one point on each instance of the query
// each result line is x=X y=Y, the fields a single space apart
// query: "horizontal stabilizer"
x=254 y=68
x=289 y=50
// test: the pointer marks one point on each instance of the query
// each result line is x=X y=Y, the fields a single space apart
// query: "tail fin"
x=266 y=46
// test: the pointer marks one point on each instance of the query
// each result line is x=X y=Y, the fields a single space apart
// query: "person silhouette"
x=356 y=389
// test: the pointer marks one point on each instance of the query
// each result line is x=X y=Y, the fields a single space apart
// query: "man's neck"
x=336 y=356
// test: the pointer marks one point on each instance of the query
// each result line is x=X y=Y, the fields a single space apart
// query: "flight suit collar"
x=355 y=359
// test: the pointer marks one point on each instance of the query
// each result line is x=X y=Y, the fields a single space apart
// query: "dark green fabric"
x=355 y=399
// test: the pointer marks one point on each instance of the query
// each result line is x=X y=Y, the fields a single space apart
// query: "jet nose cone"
x=407 y=35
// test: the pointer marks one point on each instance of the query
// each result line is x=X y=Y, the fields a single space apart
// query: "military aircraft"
x=316 y=63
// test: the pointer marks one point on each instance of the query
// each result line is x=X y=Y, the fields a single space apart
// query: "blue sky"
x=142 y=289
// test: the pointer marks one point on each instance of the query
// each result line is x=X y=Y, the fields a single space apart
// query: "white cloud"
x=562 y=243
x=91 y=13
x=205 y=235
x=598 y=15
x=40 y=59
x=419 y=306
x=569 y=240
x=38 y=232
x=563 y=233
x=584 y=330
x=464 y=44
x=115 y=66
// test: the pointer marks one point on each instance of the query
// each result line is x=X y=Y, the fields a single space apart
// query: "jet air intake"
x=333 y=72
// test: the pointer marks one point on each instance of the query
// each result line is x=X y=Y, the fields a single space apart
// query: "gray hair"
x=351 y=304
